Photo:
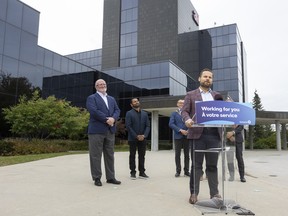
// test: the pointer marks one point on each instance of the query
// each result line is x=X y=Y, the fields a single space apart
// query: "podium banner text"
x=224 y=113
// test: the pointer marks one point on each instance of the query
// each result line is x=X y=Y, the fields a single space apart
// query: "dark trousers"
x=179 y=144
x=133 y=147
x=239 y=157
x=205 y=142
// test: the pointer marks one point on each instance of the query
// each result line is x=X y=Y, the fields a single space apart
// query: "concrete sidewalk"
x=62 y=186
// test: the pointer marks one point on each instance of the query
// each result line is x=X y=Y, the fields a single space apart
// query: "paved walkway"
x=62 y=186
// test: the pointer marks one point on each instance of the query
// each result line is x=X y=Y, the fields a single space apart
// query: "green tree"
x=10 y=87
x=46 y=118
x=263 y=130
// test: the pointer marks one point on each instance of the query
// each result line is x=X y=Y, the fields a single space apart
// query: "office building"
x=152 y=49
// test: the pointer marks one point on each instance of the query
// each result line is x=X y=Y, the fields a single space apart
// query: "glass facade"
x=147 y=80
x=150 y=49
x=18 y=50
x=227 y=61
x=91 y=58
x=25 y=66
x=219 y=49
x=128 y=33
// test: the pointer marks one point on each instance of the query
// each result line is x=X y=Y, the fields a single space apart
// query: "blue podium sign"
x=224 y=113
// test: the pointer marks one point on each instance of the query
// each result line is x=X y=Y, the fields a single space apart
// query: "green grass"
x=10 y=160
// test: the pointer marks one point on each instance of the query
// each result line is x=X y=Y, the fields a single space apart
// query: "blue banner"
x=224 y=113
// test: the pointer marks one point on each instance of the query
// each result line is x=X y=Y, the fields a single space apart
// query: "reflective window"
x=48 y=59
x=64 y=65
x=3 y=9
x=2 y=33
x=126 y=4
x=40 y=56
x=71 y=67
x=28 y=48
x=12 y=41
x=232 y=38
x=30 y=20
x=14 y=12
x=129 y=19
x=145 y=71
x=10 y=66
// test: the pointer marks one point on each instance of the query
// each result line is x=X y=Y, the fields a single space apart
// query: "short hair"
x=133 y=99
x=205 y=69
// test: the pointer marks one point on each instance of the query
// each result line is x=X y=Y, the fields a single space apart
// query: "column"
x=155 y=129
x=278 y=135
x=284 y=137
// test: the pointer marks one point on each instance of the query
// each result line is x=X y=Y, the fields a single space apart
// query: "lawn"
x=10 y=160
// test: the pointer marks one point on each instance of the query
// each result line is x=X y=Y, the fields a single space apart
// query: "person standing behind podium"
x=180 y=132
x=238 y=138
x=202 y=138
x=104 y=112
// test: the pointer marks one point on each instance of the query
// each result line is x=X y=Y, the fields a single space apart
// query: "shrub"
x=266 y=143
x=6 y=147
x=39 y=146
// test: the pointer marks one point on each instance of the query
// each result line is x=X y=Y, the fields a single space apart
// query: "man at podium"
x=202 y=138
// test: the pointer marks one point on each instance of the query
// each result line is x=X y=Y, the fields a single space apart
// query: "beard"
x=136 y=106
x=205 y=84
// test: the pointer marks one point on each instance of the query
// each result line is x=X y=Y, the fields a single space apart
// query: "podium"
x=221 y=114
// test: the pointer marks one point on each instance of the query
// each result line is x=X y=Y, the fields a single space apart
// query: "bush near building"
x=46 y=118
x=11 y=147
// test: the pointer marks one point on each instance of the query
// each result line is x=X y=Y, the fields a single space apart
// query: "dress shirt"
x=206 y=96
x=104 y=97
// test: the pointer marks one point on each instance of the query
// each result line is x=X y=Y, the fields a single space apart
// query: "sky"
x=71 y=26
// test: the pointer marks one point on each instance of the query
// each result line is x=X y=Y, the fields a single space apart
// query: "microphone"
x=218 y=97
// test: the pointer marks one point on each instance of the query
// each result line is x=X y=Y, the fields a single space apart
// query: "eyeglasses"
x=101 y=84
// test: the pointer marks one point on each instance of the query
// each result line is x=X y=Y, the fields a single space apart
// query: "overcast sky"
x=70 y=26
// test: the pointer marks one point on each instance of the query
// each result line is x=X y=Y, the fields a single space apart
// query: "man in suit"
x=202 y=138
x=138 y=126
x=180 y=132
x=237 y=137
x=104 y=113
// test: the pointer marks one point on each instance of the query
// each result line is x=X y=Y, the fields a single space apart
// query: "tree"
x=263 y=130
x=46 y=118
x=10 y=87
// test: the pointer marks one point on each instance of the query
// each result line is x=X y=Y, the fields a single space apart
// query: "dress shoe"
x=216 y=196
x=143 y=176
x=231 y=178
x=113 y=181
x=177 y=174
x=97 y=182
x=243 y=180
x=133 y=176
x=187 y=174
x=193 y=199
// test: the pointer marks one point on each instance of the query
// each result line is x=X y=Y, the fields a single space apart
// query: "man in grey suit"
x=202 y=138
x=104 y=112
x=180 y=132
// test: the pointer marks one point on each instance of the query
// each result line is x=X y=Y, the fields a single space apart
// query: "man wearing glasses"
x=104 y=112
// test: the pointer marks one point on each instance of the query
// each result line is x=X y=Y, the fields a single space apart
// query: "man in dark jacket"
x=104 y=113
x=138 y=126
x=180 y=132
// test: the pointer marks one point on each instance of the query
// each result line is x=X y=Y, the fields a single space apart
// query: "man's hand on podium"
x=189 y=123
